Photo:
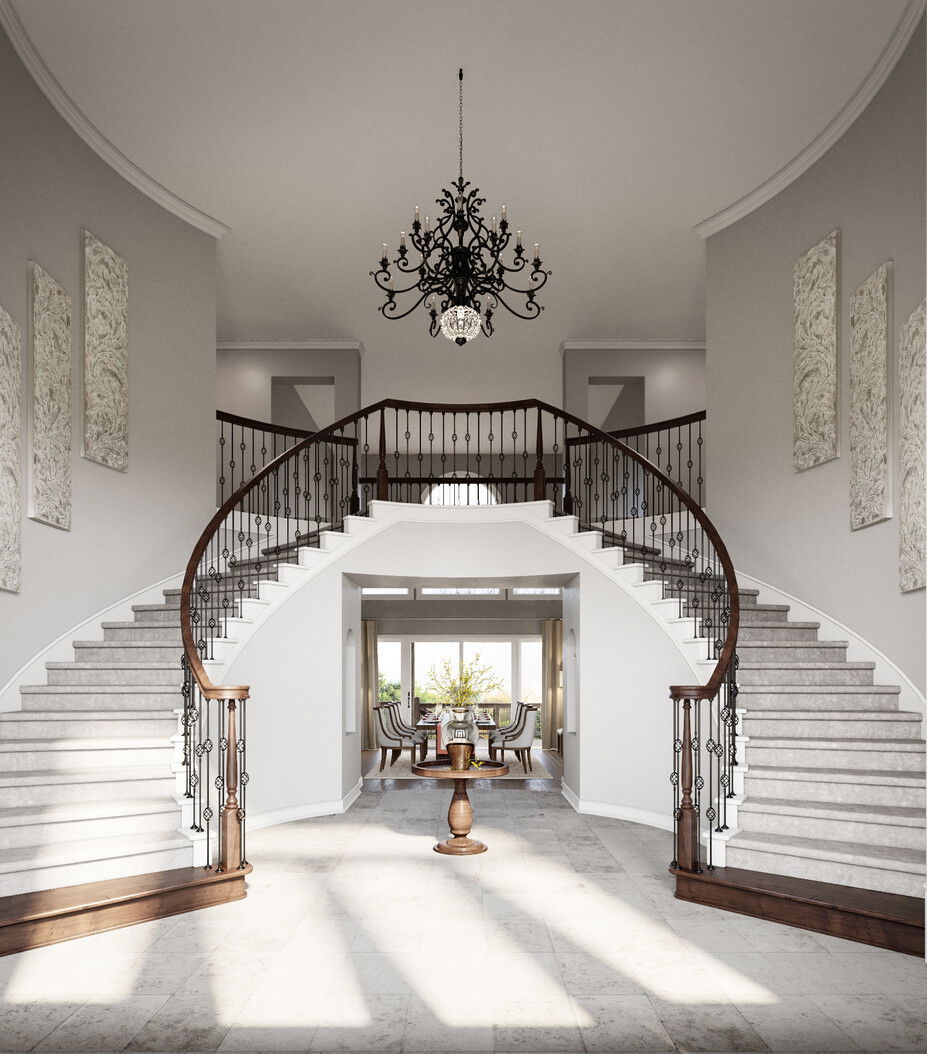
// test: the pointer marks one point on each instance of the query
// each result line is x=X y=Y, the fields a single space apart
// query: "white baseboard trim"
x=627 y=812
x=859 y=650
x=258 y=821
x=617 y=812
x=570 y=796
x=353 y=794
x=61 y=648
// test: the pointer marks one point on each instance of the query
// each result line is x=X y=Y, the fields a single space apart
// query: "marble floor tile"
x=875 y=1022
x=103 y=1026
x=431 y=1029
x=794 y=1023
x=573 y=940
x=271 y=1038
x=23 y=1025
x=378 y=1025
x=537 y=1027
x=625 y=1022
x=717 y=1026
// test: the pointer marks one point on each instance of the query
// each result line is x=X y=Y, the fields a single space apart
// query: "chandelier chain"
x=460 y=113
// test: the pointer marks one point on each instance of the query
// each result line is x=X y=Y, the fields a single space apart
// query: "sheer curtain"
x=551 y=681
x=370 y=681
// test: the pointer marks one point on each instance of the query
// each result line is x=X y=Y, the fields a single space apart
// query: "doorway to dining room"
x=510 y=635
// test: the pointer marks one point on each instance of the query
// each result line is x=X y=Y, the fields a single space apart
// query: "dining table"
x=430 y=723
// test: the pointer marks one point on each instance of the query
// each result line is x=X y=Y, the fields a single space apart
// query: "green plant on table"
x=462 y=683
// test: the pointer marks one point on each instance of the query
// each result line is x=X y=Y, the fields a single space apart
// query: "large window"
x=531 y=652
x=405 y=664
x=428 y=655
x=460 y=494
x=497 y=655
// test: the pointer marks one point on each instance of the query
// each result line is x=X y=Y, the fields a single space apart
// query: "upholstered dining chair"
x=396 y=718
x=518 y=736
x=390 y=737
x=514 y=715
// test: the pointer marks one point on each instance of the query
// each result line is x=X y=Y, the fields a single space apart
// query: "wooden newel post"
x=230 y=822
x=540 y=477
x=687 y=830
x=382 y=473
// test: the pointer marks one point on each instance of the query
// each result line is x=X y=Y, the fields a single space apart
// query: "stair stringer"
x=539 y=515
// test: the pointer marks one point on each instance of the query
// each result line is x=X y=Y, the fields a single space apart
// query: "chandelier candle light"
x=461 y=277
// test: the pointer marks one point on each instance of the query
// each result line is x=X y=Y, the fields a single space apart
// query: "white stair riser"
x=293 y=574
x=123 y=651
x=38 y=794
x=768 y=633
x=253 y=609
x=793 y=675
x=845 y=727
x=910 y=885
x=93 y=871
x=587 y=541
x=74 y=760
x=116 y=701
x=40 y=834
x=835 y=757
x=875 y=832
x=77 y=728
x=847 y=702
x=168 y=675
x=155 y=631
x=753 y=651
x=332 y=541
x=270 y=591
x=888 y=793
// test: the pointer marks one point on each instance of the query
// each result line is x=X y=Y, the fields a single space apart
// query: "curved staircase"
x=835 y=780
x=124 y=765
x=88 y=784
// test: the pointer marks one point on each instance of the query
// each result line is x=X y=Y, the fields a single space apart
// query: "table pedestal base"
x=460 y=847
x=460 y=820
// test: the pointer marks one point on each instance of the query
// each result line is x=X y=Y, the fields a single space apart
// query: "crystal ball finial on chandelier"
x=460 y=274
x=461 y=323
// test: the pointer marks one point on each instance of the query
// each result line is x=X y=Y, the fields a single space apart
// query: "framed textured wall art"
x=912 y=450
x=106 y=352
x=870 y=400
x=11 y=366
x=815 y=355
x=50 y=422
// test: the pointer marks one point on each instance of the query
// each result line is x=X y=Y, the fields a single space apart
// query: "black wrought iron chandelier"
x=461 y=277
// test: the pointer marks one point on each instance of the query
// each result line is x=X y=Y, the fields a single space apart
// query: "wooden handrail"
x=659 y=426
x=706 y=691
x=261 y=426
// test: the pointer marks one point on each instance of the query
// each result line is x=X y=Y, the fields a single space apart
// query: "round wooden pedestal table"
x=460 y=814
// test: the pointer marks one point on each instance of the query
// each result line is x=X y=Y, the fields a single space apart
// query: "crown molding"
x=819 y=146
x=290 y=345
x=79 y=122
x=631 y=345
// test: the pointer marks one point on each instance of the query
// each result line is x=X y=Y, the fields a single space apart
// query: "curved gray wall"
x=792 y=529
x=128 y=529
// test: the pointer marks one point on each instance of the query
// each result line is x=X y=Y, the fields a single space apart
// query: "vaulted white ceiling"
x=609 y=127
